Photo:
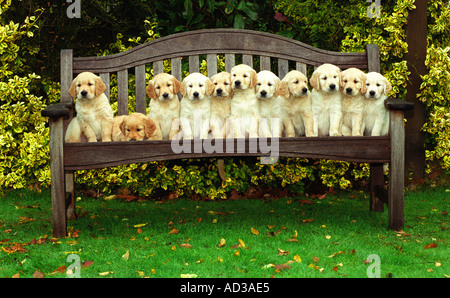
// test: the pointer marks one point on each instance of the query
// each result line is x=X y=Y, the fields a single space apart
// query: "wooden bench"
x=270 y=51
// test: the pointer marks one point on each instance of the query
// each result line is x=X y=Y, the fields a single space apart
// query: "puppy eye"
x=355 y=81
x=245 y=76
x=190 y=86
x=79 y=85
x=234 y=74
x=216 y=83
x=270 y=85
x=378 y=85
x=226 y=83
x=367 y=84
x=200 y=85
x=90 y=84
x=158 y=87
x=138 y=130
x=324 y=78
x=128 y=130
x=168 y=85
x=296 y=82
x=345 y=81
x=334 y=77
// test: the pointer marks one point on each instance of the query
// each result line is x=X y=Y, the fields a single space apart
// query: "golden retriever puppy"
x=353 y=88
x=244 y=104
x=134 y=127
x=94 y=114
x=164 y=104
x=376 y=116
x=195 y=112
x=220 y=104
x=298 y=117
x=326 y=100
x=268 y=91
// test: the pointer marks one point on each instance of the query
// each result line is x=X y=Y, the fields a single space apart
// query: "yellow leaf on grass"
x=105 y=273
x=297 y=259
x=237 y=253
x=126 y=255
x=221 y=242
x=255 y=231
x=188 y=275
x=241 y=243
x=140 y=225
x=174 y=231
x=220 y=259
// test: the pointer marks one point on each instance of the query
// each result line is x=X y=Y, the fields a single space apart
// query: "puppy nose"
x=195 y=94
x=349 y=90
x=237 y=83
x=332 y=86
x=165 y=94
x=132 y=139
x=305 y=90
x=372 y=93
x=263 y=93
x=83 y=93
x=219 y=91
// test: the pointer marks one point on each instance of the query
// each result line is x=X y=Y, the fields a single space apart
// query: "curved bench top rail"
x=218 y=41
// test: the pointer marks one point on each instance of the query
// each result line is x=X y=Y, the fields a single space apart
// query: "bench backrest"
x=288 y=54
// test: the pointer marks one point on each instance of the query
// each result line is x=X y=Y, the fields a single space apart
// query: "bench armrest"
x=57 y=110
x=394 y=104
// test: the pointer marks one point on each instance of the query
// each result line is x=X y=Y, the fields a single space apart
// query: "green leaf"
x=238 y=22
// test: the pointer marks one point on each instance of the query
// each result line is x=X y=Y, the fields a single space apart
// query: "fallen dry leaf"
x=126 y=255
x=221 y=242
x=431 y=245
x=254 y=231
x=186 y=245
x=174 y=231
x=297 y=259
x=282 y=252
x=105 y=273
x=188 y=275
x=38 y=274
x=140 y=225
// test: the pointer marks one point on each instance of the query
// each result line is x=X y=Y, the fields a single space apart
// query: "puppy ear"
x=122 y=126
x=387 y=86
x=150 y=127
x=182 y=88
x=209 y=87
x=363 y=84
x=314 y=80
x=100 y=87
x=151 y=90
x=282 y=90
x=176 y=85
x=72 y=89
x=253 y=79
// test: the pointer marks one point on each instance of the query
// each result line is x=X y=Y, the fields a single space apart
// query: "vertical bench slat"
x=283 y=68
x=106 y=80
x=194 y=64
x=66 y=74
x=247 y=59
x=265 y=63
x=176 y=68
x=122 y=92
x=158 y=67
x=301 y=67
x=211 y=64
x=141 y=99
x=230 y=61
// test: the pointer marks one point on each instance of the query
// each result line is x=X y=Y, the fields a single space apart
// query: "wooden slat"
x=373 y=57
x=158 y=67
x=230 y=61
x=141 y=99
x=283 y=68
x=247 y=59
x=176 y=68
x=194 y=64
x=106 y=80
x=98 y=155
x=66 y=74
x=376 y=181
x=122 y=94
x=211 y=64
x=224 y=41
x=396 y=171
x=265 y=63
x=301 y=67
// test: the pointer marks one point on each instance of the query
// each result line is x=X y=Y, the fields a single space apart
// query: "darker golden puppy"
x=134 y=127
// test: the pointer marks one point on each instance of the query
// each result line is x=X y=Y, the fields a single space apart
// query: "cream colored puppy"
x=326 y=100
x=376 y=116
x=195 y=111
x=353 y=88
x=298 y=117
x=164 y=105
x=268 y=91
x=220 y=104
x=244 y=104
x=94 y=114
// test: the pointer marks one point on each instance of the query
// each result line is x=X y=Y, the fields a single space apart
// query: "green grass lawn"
x=289 y=237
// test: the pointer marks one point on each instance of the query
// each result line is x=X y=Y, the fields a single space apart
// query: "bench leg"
x=397 y=171
x=376 y=187
x=57 y=178
x=70 y=196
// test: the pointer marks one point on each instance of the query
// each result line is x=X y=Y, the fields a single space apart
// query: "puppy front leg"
x=157 y=134
x=205 y=129
x=357 y=121
x=289 y=129
x=107 y=125
x=335 y=124
x=253 y=129
x=308 y=121
x=174 y=129
x=87 y=130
